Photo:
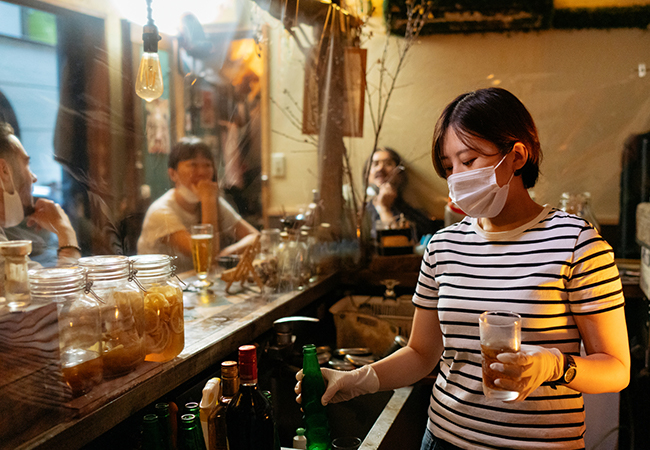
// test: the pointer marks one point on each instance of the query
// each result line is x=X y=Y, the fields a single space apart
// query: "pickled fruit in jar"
x=121 y=338
x=123 y=351
x=164 y=323
x=134 y=300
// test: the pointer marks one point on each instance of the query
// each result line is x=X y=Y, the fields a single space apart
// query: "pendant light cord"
x=149 y=13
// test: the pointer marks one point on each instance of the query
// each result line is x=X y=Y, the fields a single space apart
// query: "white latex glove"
x=342 y=386
x=527 y=369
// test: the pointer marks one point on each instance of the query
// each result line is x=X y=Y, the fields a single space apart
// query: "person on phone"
x=194 y=199
x=508 y=254
x=386 y=182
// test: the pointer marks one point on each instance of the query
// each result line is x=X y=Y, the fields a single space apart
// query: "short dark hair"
x=7 y=148
x=493 y=114
x=188 y=147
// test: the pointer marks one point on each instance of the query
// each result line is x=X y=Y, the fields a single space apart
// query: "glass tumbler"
x=500 y=332
x=202 y=236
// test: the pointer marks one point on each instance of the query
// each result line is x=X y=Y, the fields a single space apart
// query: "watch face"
x=570 y=375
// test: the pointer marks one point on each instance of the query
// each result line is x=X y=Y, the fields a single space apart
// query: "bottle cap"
x=300 y=431
x=248 y=363
x=229 y=369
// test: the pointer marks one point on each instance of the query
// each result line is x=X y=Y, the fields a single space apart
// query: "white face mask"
x=187 y=194
x=13 y=206
x=477 y=192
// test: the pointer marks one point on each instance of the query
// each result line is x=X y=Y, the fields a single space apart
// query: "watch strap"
x=569 y=363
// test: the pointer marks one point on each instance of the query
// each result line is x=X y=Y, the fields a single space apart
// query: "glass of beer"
x=202 y=253
x=500 y=333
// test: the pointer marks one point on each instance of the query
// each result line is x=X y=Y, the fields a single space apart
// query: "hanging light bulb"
x=149 y=82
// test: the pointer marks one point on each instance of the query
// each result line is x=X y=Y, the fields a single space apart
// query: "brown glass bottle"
x=249 y=416
x=217 y=439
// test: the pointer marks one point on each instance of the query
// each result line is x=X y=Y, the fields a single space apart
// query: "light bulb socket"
x=150 y=38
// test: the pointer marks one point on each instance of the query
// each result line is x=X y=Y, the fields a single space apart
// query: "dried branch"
x=416 y=17
x=288 y=136
x=295 y=121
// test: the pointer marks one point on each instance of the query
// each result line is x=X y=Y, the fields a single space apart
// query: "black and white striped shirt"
x=548 y=271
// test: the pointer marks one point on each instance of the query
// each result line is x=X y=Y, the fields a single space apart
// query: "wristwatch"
x=570 y=372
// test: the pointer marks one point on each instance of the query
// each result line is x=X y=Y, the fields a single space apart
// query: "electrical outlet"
x=642 y=70
x=278 y=164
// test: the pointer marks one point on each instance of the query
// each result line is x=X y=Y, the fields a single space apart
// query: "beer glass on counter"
x=202 y=235
x=500 y=332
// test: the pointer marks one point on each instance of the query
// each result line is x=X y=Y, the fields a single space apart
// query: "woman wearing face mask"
x=510 y=254
x=194 y=199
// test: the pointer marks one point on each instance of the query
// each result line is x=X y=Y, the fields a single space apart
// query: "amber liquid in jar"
x=123 y=344
x=164 y=323
x=82 y=370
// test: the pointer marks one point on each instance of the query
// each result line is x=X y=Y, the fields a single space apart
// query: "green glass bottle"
x=194 y=408
x=165 y=420
x=276 y=435
x=190 y=437
x=317 y=428
x=152 y=435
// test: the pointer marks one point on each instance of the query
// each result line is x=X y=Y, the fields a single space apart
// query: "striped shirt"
x=549 y=270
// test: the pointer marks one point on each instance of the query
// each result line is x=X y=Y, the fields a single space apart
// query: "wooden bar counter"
x=37 y=411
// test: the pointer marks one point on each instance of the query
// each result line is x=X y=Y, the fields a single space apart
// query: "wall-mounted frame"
x=477 y=16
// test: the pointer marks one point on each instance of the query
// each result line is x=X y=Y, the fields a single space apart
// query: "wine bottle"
x=190 y=437
x=249 y=416
x=317 y=429
x=217 y=439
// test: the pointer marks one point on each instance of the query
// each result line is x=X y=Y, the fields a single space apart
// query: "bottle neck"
x=230 y=387
x=310 y=360
x=249 y=383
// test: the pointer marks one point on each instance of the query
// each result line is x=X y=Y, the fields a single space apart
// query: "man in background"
x=386 y=181
x=17 y=202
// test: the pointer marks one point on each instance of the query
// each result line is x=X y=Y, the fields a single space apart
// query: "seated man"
x=194 y=200
x=16 y=201
x=386 y=181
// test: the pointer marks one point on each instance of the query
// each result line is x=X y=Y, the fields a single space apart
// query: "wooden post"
x=330 y=139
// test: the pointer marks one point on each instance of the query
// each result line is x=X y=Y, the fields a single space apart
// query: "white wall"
x=582 y=88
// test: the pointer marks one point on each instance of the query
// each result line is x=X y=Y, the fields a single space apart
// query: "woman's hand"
x=343 y=386
x=206 y=190
x=526 y=370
